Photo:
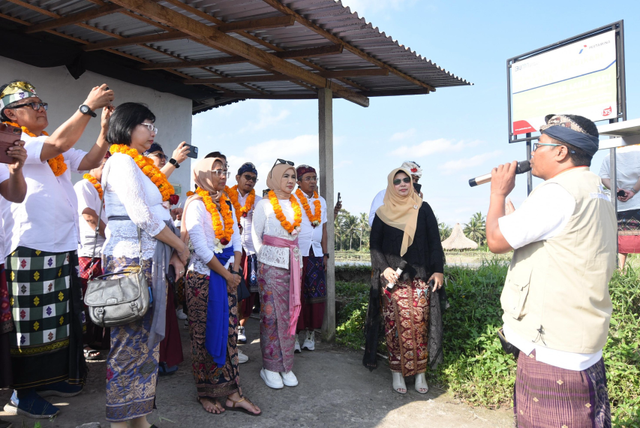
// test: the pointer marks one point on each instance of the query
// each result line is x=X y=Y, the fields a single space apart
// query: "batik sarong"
x=94 y=336
x=211 y=381
x=406 y=325
x=314 y=293
x=132 y=367
x=171 y=345
x=548 y=396
x=276 y=343
x=629 y=232
x=46 y=305
x=6 y=329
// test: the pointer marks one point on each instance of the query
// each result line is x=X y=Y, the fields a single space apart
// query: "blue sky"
x=453 y=133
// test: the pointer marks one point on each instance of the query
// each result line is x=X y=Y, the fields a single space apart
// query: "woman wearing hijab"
x=276 y=223
x=404 y=229
x=212 y=294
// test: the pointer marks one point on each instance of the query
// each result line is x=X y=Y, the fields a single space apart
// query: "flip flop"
x=91 y=354
x=241 y=409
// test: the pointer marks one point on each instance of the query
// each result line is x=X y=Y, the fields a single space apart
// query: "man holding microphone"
x=556 y=299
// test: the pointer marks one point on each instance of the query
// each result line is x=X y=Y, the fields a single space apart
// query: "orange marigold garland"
x=297 y=213
x=91 y=179
x=315 y=218
x=241 y=211
x=223 y=235
x=190 y=193
x=156 y=176
x=57 y=164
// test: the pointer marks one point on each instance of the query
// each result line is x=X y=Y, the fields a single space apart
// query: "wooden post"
x=325 y=122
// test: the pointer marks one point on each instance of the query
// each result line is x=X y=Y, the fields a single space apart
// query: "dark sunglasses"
x=401 y=180
x=250 y=178
x=35 y=106
x=282 y=161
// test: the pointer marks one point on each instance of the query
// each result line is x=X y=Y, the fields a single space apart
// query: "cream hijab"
x=400 y=212
x=274 y=179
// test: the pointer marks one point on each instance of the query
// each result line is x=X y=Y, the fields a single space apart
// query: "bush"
x=476 y=369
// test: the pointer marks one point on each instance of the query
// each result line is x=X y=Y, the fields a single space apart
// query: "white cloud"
x=403 y=135
x=429 y=147
x=267 y=116
x=460 y=164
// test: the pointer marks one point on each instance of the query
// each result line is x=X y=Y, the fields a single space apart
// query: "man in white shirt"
x=312 y=241
x=556 y=301
x=46 y=347
x=378 y=200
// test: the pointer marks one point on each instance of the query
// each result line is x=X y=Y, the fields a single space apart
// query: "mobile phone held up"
x=8 y=137
x=193 y=151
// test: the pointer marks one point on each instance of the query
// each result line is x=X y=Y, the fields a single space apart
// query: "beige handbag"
x=120 y=298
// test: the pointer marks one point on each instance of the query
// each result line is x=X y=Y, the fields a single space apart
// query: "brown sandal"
x=234 y=408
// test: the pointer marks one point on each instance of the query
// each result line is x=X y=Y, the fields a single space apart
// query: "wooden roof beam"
x=277 y=5
x=257 y=24
x=74 y=19
x=128 y=41
x=292 y=54
x=278 y=78
x=210 y=36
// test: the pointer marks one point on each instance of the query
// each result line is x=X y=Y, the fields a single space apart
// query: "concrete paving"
x=335 y=390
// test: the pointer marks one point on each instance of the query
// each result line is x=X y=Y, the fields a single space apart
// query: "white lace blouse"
x=128 y=192
x=266 y=223
x=202 y=236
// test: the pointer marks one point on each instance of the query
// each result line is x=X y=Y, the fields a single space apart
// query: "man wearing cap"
x=416 y=174
x=312 y=241
x=244 y=199
x=179 y=155
x=556 y=299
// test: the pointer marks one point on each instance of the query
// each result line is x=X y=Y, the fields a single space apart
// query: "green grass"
x=476 y=369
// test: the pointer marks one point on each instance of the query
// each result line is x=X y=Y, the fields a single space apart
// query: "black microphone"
x=522 y=167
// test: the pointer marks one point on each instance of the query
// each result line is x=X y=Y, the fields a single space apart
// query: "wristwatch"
x=84 y=109
x=326 y=255
x=174 y=162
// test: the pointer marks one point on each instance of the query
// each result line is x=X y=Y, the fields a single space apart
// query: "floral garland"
x=297 y=213
x=57 y=164
x=156 y=176
x=316 y=218
x=91 y=179
x=223 y=236
x=248 y=204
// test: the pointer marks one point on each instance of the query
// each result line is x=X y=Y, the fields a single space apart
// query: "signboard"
x=578 y=78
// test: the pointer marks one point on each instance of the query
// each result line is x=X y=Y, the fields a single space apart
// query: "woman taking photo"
x=404 y=229
x=276 y=223
x=134 y=192
x=211 y=294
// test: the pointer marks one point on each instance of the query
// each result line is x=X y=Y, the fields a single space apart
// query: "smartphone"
x=8 y=137
x=193 y=152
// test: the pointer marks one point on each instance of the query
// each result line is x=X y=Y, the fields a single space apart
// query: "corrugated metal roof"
x=316 y=23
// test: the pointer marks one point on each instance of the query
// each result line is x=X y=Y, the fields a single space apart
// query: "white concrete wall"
x=64 y=94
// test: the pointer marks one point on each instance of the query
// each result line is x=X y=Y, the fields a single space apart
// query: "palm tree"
x=475 y=229
x=365 y=230
x=445 y=231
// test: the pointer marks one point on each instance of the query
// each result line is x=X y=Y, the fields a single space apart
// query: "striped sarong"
x=548 y=396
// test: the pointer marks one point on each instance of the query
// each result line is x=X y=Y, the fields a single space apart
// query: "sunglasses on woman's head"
x=282 y=161
x=401 y=180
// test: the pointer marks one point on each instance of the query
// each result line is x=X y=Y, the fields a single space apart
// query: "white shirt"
x=88 y=197
x=128 y=192
x=202 y=236
x=628 y=172
x=266 y=223
x=4 y=176
x=245 y=222
x=543 y=215
x=378 y=201
x=47 y=219
x=312 y=236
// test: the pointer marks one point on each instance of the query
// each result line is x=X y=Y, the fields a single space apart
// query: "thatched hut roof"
x=457 y=240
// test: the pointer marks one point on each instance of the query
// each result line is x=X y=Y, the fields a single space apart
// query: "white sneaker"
x=242 y=338
x=272 y=379
x=297 y=346
x=309 y=341
x=289 y=379
x=181 y=315
x=242 y=358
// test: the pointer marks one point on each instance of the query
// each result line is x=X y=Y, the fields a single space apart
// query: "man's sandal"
x=235 y=407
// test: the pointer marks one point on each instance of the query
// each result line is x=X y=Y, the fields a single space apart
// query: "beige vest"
x=556 y=293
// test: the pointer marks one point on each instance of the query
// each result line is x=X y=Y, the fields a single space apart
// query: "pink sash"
x=294 y=281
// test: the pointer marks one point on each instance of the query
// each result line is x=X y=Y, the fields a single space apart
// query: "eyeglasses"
x=536 y=145
x=35 y=106
x=159 y=155
x=248 y=177
x=151 y=127
x=401 y=180
x=312 y=178
x=221 y=172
